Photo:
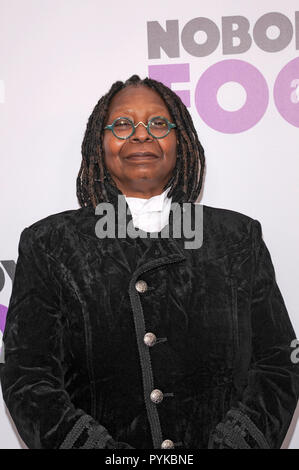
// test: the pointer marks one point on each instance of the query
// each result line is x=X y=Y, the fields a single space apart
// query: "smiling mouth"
x=142 y=156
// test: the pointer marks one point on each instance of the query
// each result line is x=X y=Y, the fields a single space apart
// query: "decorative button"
x=167 y=444
x=156 y=396
x=150 y=339
x=141 y=286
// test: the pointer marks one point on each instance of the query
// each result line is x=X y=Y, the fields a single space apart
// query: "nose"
x=141 y=133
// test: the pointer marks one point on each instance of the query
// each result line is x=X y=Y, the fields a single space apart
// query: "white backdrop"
x=58 y=57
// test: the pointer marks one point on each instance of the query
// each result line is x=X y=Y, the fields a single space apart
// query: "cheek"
x=111 y=147
x=169 y=148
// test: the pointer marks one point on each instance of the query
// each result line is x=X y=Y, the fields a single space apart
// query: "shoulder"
x=59 y=219
x=226 y=218
x=55 y=229
x=228 y=227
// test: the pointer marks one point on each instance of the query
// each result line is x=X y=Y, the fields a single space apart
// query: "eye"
x=122 y=124
x=159 y=123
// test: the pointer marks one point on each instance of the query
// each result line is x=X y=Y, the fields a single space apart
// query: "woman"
x=126 y=341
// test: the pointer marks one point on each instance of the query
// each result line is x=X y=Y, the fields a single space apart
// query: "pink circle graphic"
x=286 y=92
x=252 y=111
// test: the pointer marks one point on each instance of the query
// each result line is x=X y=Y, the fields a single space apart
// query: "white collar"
x=152 y=204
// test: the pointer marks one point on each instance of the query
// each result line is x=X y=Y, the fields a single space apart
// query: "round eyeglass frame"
x=110 y=127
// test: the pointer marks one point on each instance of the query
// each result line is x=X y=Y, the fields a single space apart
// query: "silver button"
x=141 y=286
x=167 y=444
x=156 y=396
x=150 y=339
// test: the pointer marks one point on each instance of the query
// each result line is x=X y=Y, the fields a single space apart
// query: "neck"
x=141 y=191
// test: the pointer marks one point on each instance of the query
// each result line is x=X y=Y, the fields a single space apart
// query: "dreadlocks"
x=190 y=162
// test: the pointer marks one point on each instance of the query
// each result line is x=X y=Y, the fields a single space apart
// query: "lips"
x=141 y=155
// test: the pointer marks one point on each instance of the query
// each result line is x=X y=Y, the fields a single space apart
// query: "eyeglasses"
x=123 y=128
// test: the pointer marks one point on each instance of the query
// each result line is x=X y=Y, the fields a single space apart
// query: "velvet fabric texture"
x=77 y=372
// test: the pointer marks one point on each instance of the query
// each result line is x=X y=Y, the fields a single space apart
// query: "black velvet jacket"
x=79 y=373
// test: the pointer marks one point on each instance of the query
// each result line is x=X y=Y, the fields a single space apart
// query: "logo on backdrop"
x=200 y=37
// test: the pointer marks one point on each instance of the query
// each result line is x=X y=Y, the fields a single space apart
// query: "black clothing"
x=78 y=373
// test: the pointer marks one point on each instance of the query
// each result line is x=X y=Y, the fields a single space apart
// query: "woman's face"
x=139 y=176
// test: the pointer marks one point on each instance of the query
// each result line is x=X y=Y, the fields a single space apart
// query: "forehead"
x=133 y=98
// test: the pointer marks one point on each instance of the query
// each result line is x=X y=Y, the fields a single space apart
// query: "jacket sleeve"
x=32 y=376
x=262 y=416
